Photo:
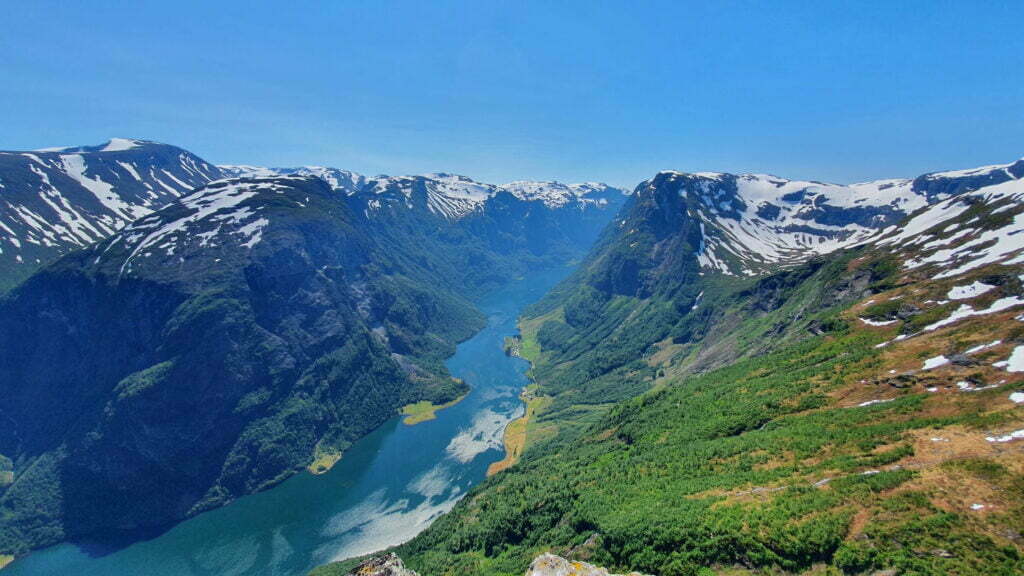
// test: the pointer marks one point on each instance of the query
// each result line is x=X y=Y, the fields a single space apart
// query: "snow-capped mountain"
x=247 y=171
x=453 y=197
x=445 y=195
x=450 y=196
x=556 y=194
x=222 y=217
x=753 y=223
x=981 y=224
x=59 y=199
x=487 y=232
x=343 y=180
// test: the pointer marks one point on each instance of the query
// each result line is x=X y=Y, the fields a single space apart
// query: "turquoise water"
x=386 y=489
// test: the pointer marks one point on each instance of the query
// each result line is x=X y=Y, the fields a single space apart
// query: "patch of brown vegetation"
x=515 y=432
x=952 y=463
x=857 y=523
x=936 y=446
x=666 y=350
x=780 y=460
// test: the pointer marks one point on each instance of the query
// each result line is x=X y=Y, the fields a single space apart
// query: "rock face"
x=387 y=565
x=551 y=565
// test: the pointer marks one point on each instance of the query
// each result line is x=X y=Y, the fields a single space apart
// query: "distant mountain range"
x=449 y=196
x=57 y=200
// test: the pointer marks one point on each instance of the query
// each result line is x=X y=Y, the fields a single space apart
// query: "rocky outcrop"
x=551 y=565
x=544 y=565
x=386 y=565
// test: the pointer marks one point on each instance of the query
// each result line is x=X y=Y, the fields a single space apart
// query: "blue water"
x=386 y=489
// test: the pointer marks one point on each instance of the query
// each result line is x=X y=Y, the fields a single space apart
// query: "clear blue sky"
x=506 y=90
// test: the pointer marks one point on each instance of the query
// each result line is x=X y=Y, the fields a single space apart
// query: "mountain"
x=448 y=196
x=486 y=233
x=453 y=197
x=848 y=411
x=342 y=180
x=207 y=350
x=753 y=223
x=686 y=248
x=476 y=234
x=57 y=200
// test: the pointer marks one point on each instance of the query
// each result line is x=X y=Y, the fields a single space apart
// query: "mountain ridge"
x=57 y=200
x=757 y=221
x=60 y=199
x=450 y=195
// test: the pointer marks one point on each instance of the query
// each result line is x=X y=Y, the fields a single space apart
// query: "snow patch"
x=969 y=291
x=935 y=362
x=980 y=347
x=966 y=311
x=1015 y=363
x=871 y=322
x=873 y=402
x=120 y=145
x=1015 y=435
x=75 y=167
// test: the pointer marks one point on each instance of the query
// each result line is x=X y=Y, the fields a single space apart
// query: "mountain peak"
x=219 y=222
x=754 y=223
x=111 y=145
x=60 y=199
x=122 y=144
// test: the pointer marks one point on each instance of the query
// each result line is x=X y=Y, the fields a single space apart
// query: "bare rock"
x=963 y=360
x=385 y=565
x=551 y=565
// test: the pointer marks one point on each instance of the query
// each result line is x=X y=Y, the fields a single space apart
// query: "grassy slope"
x=769 y=464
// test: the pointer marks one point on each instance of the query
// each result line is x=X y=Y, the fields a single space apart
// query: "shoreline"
x=514 y=436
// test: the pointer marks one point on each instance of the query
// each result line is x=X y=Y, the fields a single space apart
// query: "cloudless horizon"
x=503 y=91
